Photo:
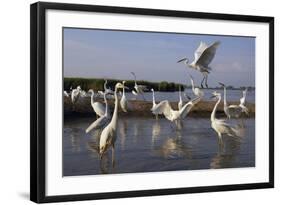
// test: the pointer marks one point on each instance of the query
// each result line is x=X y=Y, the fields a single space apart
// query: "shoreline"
x=141 y=108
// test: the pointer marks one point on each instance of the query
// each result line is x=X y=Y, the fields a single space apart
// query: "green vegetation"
x=97 y=84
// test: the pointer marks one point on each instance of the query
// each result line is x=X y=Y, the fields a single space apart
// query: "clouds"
x=114 y=54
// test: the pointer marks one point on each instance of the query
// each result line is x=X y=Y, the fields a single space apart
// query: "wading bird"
x=108 y=134
x=219 y=125
x=102 y=121
x=154 y=105
x=203 y=56
x=196 y=91
x=232 y=111
x=123 y=101
x=98 y=107
x=172 y=115
x=75 y=94
x=180 y=103
x=139 y=89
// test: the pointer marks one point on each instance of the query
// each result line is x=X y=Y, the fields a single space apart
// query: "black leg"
x=202 y=82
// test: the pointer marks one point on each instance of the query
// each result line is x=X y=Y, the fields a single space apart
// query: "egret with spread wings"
x=203 y=56
x=172 y=115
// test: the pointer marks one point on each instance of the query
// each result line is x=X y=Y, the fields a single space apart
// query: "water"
x=146 y=145
x=232 y=95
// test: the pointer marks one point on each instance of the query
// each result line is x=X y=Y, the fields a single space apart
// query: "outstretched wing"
x=163 y=107
x=98 y=124
x=202 y=47
x=207 y=54
x=188 y=106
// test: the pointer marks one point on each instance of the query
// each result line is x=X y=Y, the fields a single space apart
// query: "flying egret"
x=180 y=103
x=139 y=89
x=75 y=94
x=108 y=134
x=102 y=121
x=232 y=111
x=123 y=101
x=202 y=58
x=196 y=91
x=154 y=105
x=176 y=116
x=98 y=107
x=219 y=125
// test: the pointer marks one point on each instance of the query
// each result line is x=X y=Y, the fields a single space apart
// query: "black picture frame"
x=38 y=103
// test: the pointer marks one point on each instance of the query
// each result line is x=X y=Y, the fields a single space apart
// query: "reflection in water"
x=174 y=147
x=156 y=131
x=146 y=144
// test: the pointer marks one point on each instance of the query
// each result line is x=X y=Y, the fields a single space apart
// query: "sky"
x=92 y=53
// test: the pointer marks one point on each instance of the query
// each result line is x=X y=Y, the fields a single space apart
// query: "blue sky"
x=94 y=53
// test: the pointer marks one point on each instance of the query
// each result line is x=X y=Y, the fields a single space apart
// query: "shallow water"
x=146 y=145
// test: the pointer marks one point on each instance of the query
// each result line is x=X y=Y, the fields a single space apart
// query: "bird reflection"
x=156 y=131
x=75 y=140
x=174 y=147
x=123 y=129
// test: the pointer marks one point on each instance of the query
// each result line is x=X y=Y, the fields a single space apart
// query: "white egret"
x=98 y=107
x=102 y=121
x=180 y=103
x=154 y=105
x=108 y=135
x=202 y=58
x=176 y=116
x=232 y=111
x=123 y=101
x=243 y=101
x=75 y=94
x=219 y=125
x=139 y=89
x=196 y=91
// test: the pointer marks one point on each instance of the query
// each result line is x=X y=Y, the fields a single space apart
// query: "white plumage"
x=196 y=91
x=98 y=107
x=219 y=125
x=203 y=56
x=102 y=121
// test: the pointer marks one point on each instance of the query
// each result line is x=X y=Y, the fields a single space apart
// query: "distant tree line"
x=97 y=84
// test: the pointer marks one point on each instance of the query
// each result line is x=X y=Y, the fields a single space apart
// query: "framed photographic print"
x=129 y=102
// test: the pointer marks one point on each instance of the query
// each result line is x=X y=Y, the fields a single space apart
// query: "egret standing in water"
x=154 y=105
x=75 y=94
x=108 y=134
x=172 y=115
x=219 y=125
x=203 y=56
x=123 y=101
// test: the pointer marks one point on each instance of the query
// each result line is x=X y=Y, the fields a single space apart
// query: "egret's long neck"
x=192 y=84
x=104 y=85
x=123 y=94
x=92 y=98
x=153 y=98
x=106 y=105
x=224 y=96
x=213 y=115
x=180 y=94
x=115 y=113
